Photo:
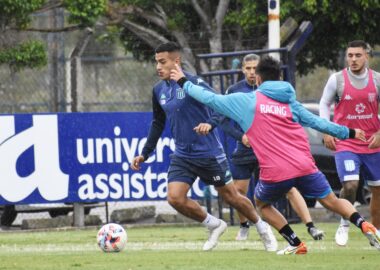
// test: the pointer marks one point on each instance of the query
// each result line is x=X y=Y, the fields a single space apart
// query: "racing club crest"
x=180 y=93
x=371 y=97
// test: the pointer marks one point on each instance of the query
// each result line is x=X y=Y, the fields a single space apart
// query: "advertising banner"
x=81 y=157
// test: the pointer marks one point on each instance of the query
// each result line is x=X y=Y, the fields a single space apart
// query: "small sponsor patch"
x=347 y=97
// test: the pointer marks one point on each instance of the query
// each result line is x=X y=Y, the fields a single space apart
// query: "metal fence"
x=110 y=84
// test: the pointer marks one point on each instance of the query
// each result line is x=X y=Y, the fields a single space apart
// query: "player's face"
x=357 y=59
x=249 y=70
x=165 y=61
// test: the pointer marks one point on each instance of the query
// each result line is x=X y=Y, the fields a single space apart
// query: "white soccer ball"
x=112 y=238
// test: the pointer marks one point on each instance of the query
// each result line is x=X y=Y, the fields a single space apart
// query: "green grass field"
x=178 y=248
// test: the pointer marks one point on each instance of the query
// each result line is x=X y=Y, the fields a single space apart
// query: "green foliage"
x=85 y=12
x=335 y=23
x=17 y=11
x=240 y=13
x=145 y=4
x=29 y=54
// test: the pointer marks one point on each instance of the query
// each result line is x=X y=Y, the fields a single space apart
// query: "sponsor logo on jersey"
x=162 y=99
x=199 y=81
x=273 y=109
x=359 y=108
x=359 y=117
x=347 y=97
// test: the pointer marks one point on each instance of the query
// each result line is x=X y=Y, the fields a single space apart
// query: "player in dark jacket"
x=194 y=155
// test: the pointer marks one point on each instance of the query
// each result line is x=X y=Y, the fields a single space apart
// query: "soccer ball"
x=112 y=238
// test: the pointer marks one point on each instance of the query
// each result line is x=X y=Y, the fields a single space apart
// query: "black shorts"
x=243 y=171
x=211 y=171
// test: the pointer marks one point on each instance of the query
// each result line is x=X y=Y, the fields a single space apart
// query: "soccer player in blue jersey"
x=244 y=161
x=194 y=155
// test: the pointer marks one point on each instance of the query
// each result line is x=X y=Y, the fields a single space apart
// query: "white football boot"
x=214 y=235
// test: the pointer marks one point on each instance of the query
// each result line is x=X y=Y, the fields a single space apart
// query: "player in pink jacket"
x=273 y=119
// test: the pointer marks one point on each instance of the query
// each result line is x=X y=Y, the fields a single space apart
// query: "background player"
x=355 y=92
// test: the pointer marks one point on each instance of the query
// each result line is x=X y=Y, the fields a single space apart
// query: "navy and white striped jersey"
x=183 y=114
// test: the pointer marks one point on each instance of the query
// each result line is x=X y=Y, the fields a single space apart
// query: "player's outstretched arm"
x=237 y=106
x=135 y=165
x=308 y=119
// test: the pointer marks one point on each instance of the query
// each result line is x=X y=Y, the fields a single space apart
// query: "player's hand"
x=374 y=140
x=360 y=134
x=135 y=165
x=329 y=142
x=176 y=73
x=203 y=128
x=245 y=141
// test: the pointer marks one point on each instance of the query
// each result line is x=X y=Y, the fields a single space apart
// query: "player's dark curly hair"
x=269 y=69
x=168 y=47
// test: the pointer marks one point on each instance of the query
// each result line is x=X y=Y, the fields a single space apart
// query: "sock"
x=290 y=235
x=357 y=219
x=244 y=224
x=344 y=222
x=211 y=222
x=261 y=226
x=309 y=225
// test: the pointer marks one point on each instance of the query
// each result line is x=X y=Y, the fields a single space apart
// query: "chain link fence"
x=110 y=84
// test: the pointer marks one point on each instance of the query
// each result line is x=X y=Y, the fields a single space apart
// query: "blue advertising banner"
x=81 y=157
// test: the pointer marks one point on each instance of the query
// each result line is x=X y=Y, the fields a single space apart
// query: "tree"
x=17 y=49
x=12 y=50
x=220 y=25
x=153 y=22
x=335 y=24
x=201 y=26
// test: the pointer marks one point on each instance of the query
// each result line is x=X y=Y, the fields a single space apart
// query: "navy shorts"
x=311 y=186
x=242 y=171
x=349 y=164
x=211 y=171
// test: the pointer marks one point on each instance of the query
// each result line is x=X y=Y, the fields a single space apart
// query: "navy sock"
x=309 y=225
x=357 y=219
x=290 y=235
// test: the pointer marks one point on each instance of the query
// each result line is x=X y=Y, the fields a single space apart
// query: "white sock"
x=261 y=226
x=344 y=222
x=211 y=222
